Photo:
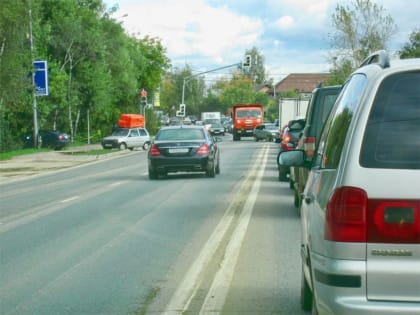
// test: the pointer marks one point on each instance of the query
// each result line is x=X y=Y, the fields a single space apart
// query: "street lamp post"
x=197 y=74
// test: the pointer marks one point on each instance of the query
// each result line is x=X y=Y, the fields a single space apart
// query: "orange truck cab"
x=245 y=117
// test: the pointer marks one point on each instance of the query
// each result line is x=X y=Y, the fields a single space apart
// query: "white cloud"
x=192 y=27
x=285 y=22
x=291 y=34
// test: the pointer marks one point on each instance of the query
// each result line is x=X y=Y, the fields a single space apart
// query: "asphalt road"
x=103 y=239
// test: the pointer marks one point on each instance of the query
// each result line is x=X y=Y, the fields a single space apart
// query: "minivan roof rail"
x=380 y=57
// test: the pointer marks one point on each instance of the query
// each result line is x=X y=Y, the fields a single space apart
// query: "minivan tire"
x=306 y=296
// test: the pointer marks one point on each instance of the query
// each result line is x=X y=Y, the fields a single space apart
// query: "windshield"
x=120 y=132
x=248 y=113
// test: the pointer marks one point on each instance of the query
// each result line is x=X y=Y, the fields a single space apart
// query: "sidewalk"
x=42 y=162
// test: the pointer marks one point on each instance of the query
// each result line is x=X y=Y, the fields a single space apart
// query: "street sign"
x=143 y=93
x=41 y=77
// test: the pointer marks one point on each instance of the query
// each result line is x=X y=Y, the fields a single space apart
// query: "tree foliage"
x=95 y=69
x=359 y=29
x=412 y=48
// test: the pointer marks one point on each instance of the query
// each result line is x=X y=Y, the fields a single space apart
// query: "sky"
x=292 y=35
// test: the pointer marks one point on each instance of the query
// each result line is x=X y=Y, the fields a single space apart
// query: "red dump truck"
x=245 y=117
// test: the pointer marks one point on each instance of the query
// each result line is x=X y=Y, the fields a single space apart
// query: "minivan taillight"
x=203 y=149
x=346 y=215
x=154 y=150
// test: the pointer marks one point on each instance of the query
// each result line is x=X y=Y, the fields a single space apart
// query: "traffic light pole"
x=197 y=74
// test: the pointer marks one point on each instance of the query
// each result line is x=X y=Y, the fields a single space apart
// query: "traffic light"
x=181 y=111
x=247 y=61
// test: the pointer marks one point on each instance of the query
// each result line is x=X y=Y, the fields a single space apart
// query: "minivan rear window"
x=392 y=136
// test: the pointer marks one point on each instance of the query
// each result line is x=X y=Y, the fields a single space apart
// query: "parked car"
x=127 y=138
x=291 y=135
x=53 y=139
x=361 y=205
x=184 y=148
x=217 y=129
x=266 y=131
x=319 y=107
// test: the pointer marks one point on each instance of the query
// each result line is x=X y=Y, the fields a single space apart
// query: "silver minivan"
x=360 y=210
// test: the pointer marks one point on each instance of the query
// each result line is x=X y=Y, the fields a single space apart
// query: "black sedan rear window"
x=392 y=137
x=180 y=134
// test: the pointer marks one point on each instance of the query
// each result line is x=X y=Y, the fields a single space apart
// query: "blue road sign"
x=41 y=77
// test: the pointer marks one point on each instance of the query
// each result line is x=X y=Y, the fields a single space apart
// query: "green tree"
x=15 y=70
x=412 y=48
x=172 y=90
x=359 y=29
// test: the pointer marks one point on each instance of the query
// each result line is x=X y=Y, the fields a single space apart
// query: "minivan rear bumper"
x=340 y=288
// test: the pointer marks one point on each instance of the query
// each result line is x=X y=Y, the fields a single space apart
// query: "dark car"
x=266 y=131
x=289 y=141
x=47 y=139
x=320 y=104
x=217 y=129
x=184 y=148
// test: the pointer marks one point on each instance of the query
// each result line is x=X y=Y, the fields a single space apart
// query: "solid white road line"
x=216 y=296
x=192 y=280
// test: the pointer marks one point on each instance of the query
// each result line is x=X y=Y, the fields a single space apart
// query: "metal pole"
x=35 y=105
x=197 y=74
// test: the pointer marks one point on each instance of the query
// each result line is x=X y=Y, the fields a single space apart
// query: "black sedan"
x=47 y=139
x=217 y=129
x=184 y=148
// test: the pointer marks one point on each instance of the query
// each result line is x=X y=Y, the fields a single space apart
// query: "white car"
x=361 y=204
x=127 y=138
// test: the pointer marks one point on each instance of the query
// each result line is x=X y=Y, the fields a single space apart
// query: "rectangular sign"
x=41 y=77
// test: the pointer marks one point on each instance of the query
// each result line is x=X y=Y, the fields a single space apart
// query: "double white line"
x=219 y=289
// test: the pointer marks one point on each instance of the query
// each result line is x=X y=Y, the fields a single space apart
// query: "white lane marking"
x=191 y=282
x=69 y=199
x=216 y=296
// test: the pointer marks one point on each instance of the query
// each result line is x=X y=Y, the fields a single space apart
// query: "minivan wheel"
x=123 y=146
x=314 y=309
x=306 y=297
x=146 y=146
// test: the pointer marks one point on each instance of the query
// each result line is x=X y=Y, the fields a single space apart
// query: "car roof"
x=182 y=127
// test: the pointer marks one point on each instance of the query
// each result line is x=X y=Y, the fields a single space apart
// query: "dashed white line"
x=70 y=199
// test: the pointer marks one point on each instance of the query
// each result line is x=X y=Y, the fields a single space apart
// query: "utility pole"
x=35 y=105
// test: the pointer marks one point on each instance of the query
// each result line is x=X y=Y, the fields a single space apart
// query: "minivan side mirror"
x=292 y=158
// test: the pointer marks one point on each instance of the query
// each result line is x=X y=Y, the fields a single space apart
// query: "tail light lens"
x=154 y=150
x=203 y=150
x=309 y=146
x=346 y=215
x=286 y=144
x=352 y=217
